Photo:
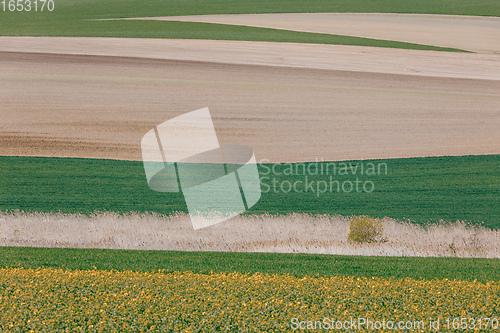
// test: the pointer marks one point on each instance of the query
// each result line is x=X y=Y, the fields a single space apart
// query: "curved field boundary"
x=471 y=33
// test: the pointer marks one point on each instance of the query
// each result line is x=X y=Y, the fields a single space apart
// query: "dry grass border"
x=295 y=233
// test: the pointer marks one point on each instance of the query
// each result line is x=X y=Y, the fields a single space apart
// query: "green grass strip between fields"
x=299 y=265
x=77 y=18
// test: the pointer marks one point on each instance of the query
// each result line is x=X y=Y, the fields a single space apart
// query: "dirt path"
x=101 y=106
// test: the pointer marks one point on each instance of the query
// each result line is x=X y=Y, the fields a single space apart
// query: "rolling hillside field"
x=412 y=125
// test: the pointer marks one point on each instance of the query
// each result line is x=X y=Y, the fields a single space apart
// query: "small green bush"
x=365 y=229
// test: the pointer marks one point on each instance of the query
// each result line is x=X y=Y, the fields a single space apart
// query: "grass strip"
x=298 y=265
x=76 y=18
x=194 y=30
x=91 y=9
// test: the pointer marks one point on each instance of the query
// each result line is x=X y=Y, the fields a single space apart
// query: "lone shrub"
x=365 y=229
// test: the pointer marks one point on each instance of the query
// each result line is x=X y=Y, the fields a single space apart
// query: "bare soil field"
x=472 y=33
x=97 y=97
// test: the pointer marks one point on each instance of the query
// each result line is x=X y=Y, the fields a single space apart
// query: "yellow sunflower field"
x=57 y=300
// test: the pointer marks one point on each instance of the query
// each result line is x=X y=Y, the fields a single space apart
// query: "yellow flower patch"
x=52 y=300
